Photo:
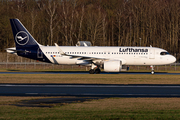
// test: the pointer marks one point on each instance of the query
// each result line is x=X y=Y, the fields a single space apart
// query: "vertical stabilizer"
x=22 y=37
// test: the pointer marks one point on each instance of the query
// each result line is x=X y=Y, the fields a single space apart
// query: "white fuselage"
x=128 y=55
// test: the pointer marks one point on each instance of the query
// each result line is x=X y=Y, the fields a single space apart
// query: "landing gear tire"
x=97 y=71
x=152 y=72
x=91 y=71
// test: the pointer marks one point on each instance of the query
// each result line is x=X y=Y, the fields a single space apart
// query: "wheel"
x=152 y=72
x=97 y=71
x=91 y=71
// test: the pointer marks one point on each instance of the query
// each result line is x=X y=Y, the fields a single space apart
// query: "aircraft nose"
x=173 y=59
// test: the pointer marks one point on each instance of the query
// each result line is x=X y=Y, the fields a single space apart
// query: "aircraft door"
x=39 y=53
x=151 y=54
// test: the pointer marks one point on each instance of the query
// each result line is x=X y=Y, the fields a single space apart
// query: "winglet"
x=59 y=49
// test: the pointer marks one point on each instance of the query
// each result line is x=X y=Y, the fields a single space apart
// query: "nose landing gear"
x=152 y=69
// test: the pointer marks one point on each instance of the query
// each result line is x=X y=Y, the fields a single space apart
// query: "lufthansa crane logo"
x=22 y=38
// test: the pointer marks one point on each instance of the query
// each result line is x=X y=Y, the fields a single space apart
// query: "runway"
x=86 y=72
x=90 y=90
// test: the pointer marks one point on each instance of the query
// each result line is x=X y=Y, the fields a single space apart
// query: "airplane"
x=111 y=59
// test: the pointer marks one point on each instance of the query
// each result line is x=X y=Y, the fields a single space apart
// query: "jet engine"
x=112 y=66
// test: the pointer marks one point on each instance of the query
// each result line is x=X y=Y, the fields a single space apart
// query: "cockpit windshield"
x=164 y=53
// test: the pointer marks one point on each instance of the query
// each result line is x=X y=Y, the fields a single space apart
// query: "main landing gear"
x=94 y=69
x=97 y=71
x=152 y=69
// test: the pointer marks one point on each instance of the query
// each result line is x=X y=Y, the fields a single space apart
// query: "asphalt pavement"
x=90 y=90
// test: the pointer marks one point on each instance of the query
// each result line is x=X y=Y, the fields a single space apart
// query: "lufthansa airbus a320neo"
x=111 y=59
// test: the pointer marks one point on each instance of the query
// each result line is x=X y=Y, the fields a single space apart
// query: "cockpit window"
x=164 y=53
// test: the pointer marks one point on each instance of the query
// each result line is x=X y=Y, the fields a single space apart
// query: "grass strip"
x=109 y=108
x=90 y=79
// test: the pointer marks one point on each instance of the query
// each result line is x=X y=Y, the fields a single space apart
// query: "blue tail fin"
x=26 y=45
x=22 y=37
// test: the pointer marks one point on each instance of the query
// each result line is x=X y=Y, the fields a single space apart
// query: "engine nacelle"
x=112 y=66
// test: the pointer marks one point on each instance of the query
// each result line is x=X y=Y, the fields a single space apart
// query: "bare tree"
x=50 y=7
x=95 y=25
x=79 y=37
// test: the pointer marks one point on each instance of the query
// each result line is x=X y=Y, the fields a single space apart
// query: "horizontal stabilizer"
x=11 y=50
x=14 y=51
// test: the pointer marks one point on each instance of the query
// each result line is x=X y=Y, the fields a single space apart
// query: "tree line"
x=103 y=22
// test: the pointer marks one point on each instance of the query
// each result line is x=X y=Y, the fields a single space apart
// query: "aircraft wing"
x=78 y=56
x=95 y=59
x=89 y=58
x=85 y=57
